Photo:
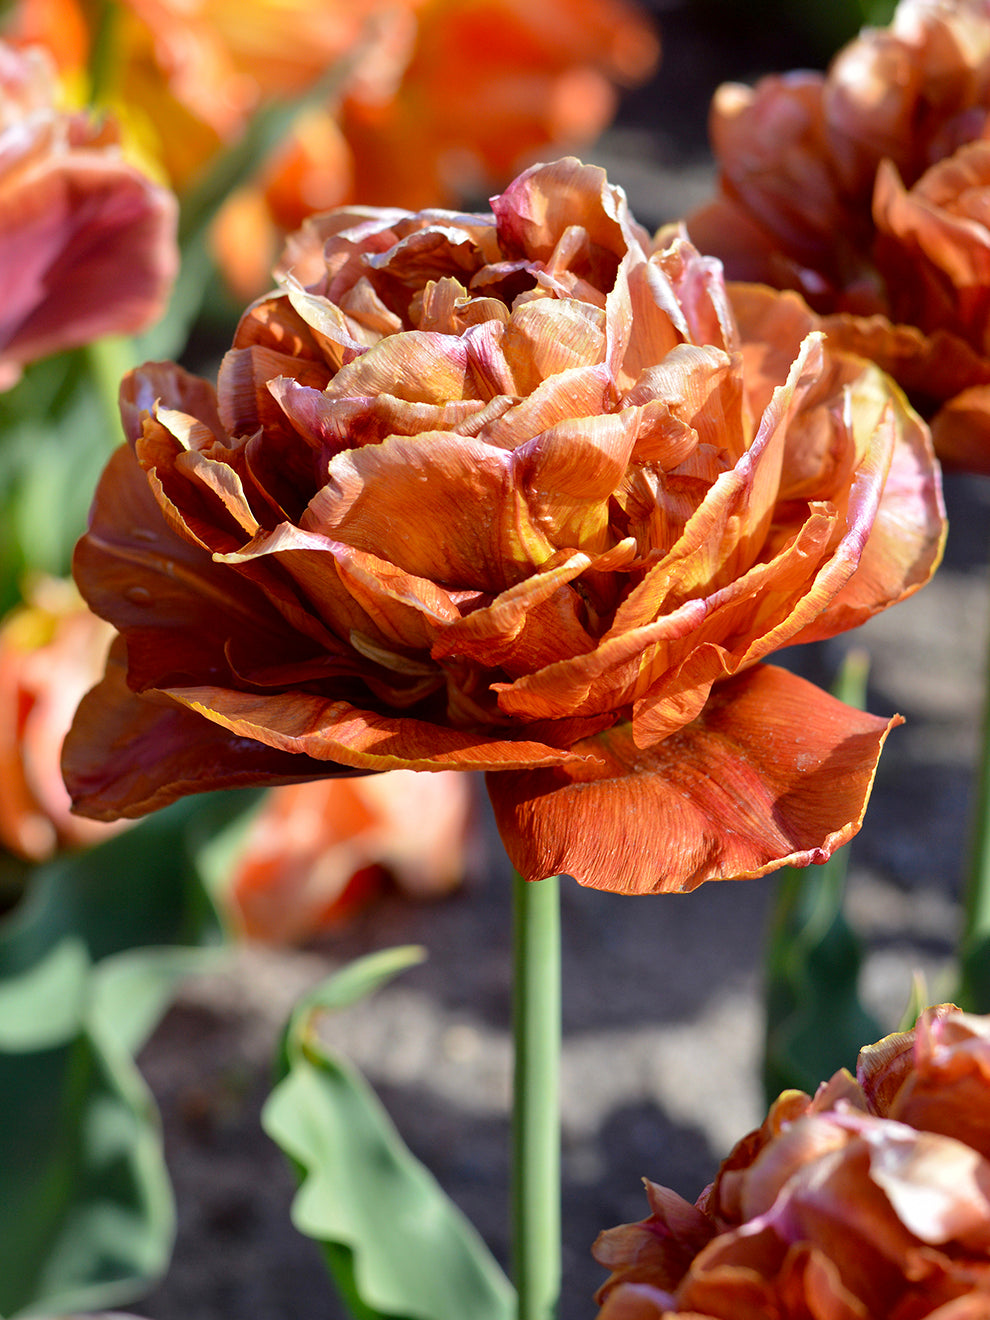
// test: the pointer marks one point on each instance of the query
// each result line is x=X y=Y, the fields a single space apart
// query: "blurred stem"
x=107 y=360
x=102 y=51
x=536 y=1097
x=974 y=945
x=815 y=1021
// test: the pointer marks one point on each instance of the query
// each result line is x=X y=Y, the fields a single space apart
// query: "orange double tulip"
x=870 y=1200
x=867 y=189
x=510 y=492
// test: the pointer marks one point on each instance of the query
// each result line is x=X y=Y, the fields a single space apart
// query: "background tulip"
x=317 y=852
x=865 y=188
x=873 y=1199
x=87 y=243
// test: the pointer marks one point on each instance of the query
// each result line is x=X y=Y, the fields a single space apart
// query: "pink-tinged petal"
x=725 y=533
x=576 y=392
x=526 y=626
x=127 y=755
x=569 y=472
x=419 y=366
x=414 y=502
x=355 y=592
x=695 y=294
x=245 y=400
x=773 y=772
x=702 y=389
x=898 y=540
x=331 y=424
x=142 y=388
x=88 y=249
x=666 y=668
x=155 y=585
x=938 y=1187
x=537 y=207
x=548 y=335
x=337 y=731
x=336 y=339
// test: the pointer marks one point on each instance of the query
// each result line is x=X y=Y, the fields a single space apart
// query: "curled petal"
x=773 y=772
x=126 y=756
x=367 y=740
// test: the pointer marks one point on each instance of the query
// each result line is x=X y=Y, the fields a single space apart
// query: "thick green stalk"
x=536 y=1099
x=974 y=945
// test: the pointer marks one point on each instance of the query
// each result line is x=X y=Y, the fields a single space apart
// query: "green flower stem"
x=974 y=946
x=103 y=16
x=536 y=1098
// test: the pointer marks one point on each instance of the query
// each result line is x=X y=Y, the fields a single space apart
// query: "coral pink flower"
x=505 y=492
x=318 y=851
x=868 y=189
x=87 y=244
x=52 y=649
x=870 y=1200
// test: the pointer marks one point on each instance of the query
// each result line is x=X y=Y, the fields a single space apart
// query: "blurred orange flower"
x=87 y=243
x=868 y=189
x=435 y=99
x=510 y=492
x=316 y=852
x=184 y=79
x=871 y=1200
x=448 y=105
x=52 y=649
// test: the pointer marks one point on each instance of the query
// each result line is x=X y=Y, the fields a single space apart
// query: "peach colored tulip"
x=52 y=649
x=87 y=243
x=316 y=852
x=871 y=1200
x=508 y=492
x=867 y=189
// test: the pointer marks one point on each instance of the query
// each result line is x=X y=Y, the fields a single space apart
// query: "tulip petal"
x=127 y=755
x=414 y=502
x=326 y=730
x=773 y=772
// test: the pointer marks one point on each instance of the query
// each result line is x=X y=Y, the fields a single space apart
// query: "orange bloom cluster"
x=87 y=243
x=432 y=98
x=510 y=492
x=869 y=1202
x=867 y=188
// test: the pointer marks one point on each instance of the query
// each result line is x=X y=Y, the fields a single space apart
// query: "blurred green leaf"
x=396 y=1244
x=88 y=963
x=86 y=1215
x=815 y=1021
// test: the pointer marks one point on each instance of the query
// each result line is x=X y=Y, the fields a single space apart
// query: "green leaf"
x=88 y=963
x=86 y=1214
x=396 y=1244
